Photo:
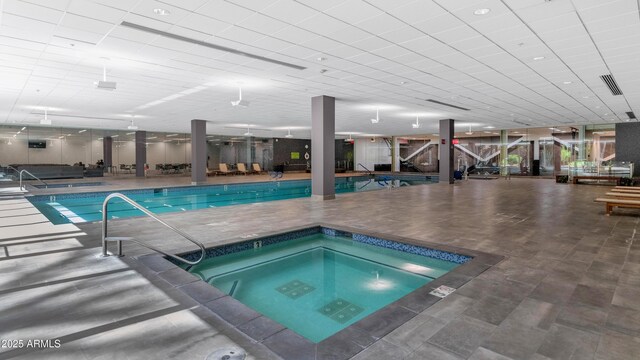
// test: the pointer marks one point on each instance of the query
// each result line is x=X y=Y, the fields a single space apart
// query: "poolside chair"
x=224 y=170
x=257 y=169
x=242 y=169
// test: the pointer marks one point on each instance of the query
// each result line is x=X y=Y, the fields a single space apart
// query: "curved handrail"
x=105 y=217
x=33 y=176
x=364 y=167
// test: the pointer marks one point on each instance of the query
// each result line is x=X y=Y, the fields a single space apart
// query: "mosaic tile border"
x=291 y=235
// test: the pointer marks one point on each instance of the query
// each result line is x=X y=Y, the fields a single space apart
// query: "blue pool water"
x=87 y=207
x=318 y=285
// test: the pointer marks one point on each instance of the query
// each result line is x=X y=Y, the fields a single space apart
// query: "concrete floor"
x=568 y=289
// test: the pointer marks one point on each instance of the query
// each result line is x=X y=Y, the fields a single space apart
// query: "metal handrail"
x=33 y=176
x=14 y=169
x=105 y=217
x=364 y=167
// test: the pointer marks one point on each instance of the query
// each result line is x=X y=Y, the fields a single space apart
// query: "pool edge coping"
x=348 y=341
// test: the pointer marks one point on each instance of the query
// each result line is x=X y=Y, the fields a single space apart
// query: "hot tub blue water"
x=317 y=285
x=87 y=207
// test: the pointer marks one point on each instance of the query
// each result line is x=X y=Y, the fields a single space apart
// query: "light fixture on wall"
x=240 y=102
x=288 y=134
x=45 y=120
x=416 y=125
x=377 y=119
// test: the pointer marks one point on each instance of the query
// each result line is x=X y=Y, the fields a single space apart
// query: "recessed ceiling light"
x=585 y=97
x=489 y=127
x=484 y=11
x=538 y=58
x=161 y=12
x=321 y=59
x=566 y=82
x=403 y=82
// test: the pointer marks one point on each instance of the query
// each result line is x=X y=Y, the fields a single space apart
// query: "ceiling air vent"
x=445 y=104
x=631 y=115
x=611 y=84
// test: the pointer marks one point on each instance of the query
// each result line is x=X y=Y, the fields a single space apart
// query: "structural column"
x=141 y=152
x=395 y=154
x=107 y=152
x=627 y=135
x=323 y=118
x=582 y=146
x=198 y=152
x=504 y=143
x=445 y=150
x=250 y=147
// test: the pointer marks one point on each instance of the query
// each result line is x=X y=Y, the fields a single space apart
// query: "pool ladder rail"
x=119 y=240
x=364 y=167
x=20 y=172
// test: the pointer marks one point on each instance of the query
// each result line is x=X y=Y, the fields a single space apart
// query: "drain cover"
x=227 y=354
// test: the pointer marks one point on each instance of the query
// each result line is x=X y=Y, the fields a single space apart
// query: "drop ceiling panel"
x=369 y=47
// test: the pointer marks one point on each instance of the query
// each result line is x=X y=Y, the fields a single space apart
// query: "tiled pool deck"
x=568 y=289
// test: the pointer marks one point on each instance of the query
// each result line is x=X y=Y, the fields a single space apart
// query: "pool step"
x=118 y=238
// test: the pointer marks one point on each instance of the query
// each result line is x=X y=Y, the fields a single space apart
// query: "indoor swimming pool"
x=87 y=207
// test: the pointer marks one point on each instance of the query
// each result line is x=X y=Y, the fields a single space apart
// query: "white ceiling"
x=388 y=54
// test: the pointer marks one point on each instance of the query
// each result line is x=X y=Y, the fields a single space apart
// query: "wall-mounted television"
x=37 y=144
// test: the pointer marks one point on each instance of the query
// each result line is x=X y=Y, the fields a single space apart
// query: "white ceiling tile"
x=380 y=24
x=353 y=11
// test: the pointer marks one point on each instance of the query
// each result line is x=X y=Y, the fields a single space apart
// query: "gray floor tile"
x=564 y=342
x=616 y=346
x=583 y=317
x=515 y=340
x=624 y=320
x=491 y=309
x=462 y=335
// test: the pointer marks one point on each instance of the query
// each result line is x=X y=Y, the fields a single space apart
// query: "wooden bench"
x=624 y=195
x=610 y=203
x=627 y=190
x=595 y=177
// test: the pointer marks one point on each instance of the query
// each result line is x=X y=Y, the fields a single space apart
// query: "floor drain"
x=227 y=354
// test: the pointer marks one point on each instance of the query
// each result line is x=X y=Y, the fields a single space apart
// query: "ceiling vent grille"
x=449 y=105
x=631 y=115
x=611 y=84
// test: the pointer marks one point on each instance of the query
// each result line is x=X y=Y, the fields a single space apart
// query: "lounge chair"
x=257 y=169
x=242 y=169
x=224 y=170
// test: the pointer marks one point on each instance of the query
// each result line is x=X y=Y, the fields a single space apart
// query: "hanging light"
x=288 y=134
x=248 y=133
x=132 y=126
x=46 y=120
x=240 y=102
x=377 y=119
x=416 y=125
x=469 y=132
